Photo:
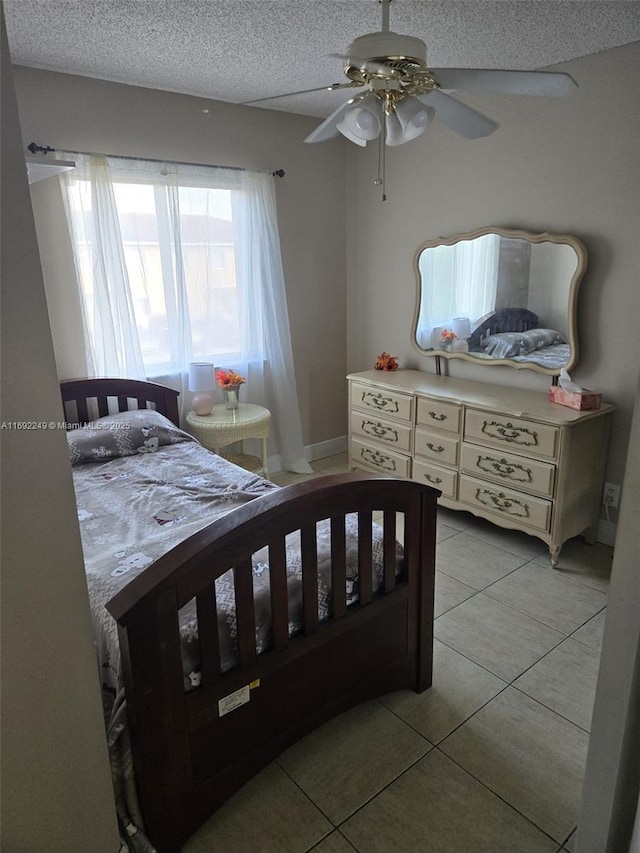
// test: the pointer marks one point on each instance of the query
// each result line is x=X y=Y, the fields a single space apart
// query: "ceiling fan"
x=401 y=95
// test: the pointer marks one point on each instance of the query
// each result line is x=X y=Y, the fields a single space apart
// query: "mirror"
x=500 y=296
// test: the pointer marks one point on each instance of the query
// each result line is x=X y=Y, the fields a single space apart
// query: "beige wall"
x=564 y=166
x=82 y=114
x=56 y=785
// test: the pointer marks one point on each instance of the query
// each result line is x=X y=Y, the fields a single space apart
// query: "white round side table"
x=226 y=426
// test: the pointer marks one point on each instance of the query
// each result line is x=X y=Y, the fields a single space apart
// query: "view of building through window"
x=181 y=268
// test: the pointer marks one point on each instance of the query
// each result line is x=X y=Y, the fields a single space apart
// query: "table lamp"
x=201 y=380
x=462 y=329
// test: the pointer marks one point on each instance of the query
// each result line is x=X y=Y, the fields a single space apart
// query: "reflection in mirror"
x=500 y=296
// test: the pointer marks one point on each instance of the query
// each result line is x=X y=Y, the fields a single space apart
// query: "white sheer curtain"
x=457 y=281
x=182 y=263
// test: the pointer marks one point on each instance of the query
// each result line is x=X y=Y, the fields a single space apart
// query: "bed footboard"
x=193 y=750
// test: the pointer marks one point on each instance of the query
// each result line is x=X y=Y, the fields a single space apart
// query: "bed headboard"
x=504 y=320
x=85 y=400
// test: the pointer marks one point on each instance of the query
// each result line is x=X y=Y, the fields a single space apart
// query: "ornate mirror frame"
x=483 y=325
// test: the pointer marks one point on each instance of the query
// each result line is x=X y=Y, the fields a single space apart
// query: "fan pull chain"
x=380 y=181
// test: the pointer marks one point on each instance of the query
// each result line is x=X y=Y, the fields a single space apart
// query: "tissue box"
x=581 y=400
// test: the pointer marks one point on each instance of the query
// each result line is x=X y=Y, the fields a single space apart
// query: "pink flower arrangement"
x=447 y=336
x=229 y=379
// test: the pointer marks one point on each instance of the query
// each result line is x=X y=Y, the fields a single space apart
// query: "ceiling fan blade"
x=328 y=127
x=458 y=116
x=331 y=88
x=547 y=83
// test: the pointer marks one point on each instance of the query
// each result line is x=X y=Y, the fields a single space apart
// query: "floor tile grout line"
x=372 y=797
x=549 y=708
x=466 y=719
x=503 y=604
x=333 y=831
x=524 y=613
x=495 y=674
x=506 y=575
x=501 y=547
x=496 y=794
x=390 y=782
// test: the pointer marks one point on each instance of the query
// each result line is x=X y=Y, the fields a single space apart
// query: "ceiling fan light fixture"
x=346 y=131
x=361 y=122
x=409 y=120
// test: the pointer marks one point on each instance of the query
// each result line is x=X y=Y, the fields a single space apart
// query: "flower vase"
x=231 y=398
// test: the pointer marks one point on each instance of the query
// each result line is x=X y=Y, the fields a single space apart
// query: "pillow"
x=124 y=434
x=510 y=344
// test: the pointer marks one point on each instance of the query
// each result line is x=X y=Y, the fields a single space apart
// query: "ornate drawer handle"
x=434 y=480
x=508 y=432
x=502 y=503
x=387 y=404
x=379 y=430
x=378 y=459
x=437 y=417
x=503 y=468
x=438 y=449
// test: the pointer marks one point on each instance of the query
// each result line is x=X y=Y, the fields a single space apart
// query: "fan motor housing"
x=387 y=46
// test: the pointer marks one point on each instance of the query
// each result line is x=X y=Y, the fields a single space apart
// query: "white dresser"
x=504 y=454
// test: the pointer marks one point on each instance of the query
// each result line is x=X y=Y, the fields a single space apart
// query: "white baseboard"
x=607 y=531
x=322 y=449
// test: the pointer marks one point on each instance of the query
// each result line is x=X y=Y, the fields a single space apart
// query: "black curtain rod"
x=45 y=149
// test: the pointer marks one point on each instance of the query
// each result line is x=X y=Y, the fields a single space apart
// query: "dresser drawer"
x=379 y=458
x=386 y=432
x=519 y=436
x=387 y=403
x=436 y=446
x=530 y=475
x=521 y=509
x=437 y=415
x=440 y=478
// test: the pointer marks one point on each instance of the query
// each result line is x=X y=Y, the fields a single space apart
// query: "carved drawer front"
x=440 y=478
x=530 y=475
x=390 y=433
x=387 y=403
x=519 y=436
x=436 y=446
x=517 y=508
x=379 y=458
x=437 y=415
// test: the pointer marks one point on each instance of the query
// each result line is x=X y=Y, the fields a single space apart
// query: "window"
x=179 y=263
x=202 y=244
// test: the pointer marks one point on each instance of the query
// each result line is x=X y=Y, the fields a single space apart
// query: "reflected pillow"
x=124 y=434
x=511 y=344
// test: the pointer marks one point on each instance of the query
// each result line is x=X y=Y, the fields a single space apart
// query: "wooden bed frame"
x=188 y=759
x=503 y=320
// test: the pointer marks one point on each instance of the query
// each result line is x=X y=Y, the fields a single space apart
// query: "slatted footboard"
x=192 y=750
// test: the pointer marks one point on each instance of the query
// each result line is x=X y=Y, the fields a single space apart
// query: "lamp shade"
x=461 y=327
x=361 y=122
x=201 y=381
x=201 y=376
x=411 y=118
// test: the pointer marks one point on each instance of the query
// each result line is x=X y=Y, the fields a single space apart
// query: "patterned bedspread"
x=133 y=509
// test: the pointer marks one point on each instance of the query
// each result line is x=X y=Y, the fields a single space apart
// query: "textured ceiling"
x=238 y=50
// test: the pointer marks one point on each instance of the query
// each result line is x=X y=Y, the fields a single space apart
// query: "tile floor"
x=490 y=758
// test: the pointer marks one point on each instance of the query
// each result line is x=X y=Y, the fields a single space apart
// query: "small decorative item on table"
x=230 y=382
x=386 y=362
x=447 y=337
